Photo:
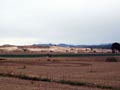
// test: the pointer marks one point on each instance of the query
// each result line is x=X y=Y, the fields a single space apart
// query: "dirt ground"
x=95 y=71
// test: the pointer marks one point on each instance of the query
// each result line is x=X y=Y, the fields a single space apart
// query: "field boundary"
x=74 y=83
x=54 y=55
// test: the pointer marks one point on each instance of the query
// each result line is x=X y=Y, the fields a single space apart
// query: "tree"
x=115 y=47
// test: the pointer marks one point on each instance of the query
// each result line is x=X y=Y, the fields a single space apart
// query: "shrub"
x=112 y=59
x=2 y=59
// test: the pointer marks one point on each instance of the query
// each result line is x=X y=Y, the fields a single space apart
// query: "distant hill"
x=104 y=46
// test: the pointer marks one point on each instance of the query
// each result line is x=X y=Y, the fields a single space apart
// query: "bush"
x=2 y=59
x=112 y=59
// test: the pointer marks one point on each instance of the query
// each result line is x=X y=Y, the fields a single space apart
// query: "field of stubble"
x=80 y=73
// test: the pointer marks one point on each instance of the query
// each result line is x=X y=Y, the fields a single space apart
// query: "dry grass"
x=2 y=59
x=92 y=72
x=74 y=83
x=111 y=59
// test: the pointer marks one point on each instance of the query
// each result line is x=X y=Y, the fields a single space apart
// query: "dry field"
x=80 y=73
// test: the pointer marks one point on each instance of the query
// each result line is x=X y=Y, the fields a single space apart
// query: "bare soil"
x=93 y=70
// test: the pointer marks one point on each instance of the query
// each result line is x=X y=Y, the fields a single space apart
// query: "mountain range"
x=104 y=46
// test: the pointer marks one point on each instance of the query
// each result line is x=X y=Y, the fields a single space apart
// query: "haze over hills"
x=104 y=46
x=97 y=46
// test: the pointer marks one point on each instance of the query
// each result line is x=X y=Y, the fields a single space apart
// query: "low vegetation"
x=2 y=59
x=74 y=83
x=111 y=59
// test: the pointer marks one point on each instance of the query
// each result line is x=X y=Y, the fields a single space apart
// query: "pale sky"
x=59 y=21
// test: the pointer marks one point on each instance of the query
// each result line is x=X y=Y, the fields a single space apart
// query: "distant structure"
x=115 y=47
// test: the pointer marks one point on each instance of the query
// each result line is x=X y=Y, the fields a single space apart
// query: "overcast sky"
x=59 y=21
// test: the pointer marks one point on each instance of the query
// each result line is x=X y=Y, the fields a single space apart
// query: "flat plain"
x=60 y=73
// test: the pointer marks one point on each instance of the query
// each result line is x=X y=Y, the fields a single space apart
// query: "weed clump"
x=2 y=59
x=111 y=59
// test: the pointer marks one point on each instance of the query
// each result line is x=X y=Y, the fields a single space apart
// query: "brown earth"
x=95 y=71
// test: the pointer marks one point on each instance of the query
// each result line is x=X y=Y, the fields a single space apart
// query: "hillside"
x=104 y=46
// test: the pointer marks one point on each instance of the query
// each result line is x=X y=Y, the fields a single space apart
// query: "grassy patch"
x=74 y=83
x=25 y=77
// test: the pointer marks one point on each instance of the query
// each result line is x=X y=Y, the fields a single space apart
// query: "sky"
x=24 y=22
